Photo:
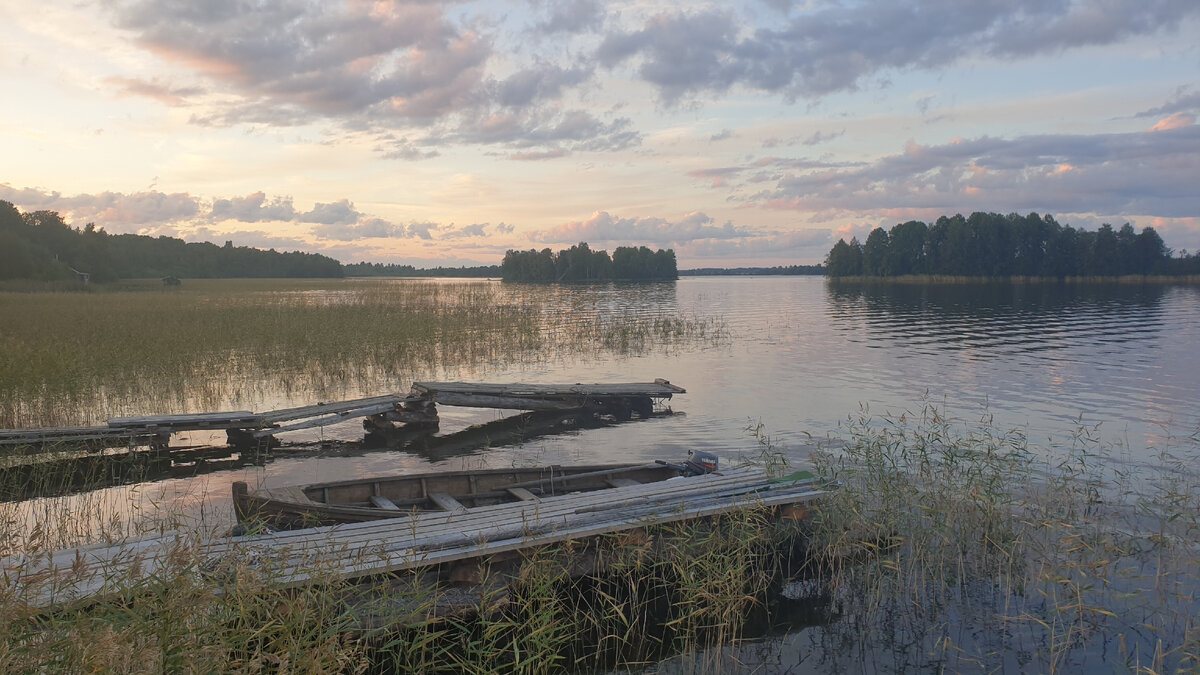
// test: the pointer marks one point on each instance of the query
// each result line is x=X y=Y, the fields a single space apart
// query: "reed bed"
x=614 y=602
x=78 y=358
x=955 y=280
x=948 y=545
x=956 y=546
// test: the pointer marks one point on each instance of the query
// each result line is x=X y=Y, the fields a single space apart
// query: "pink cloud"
x=1177 y=121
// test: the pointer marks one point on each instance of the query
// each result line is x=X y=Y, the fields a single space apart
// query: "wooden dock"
x=413 y=541
x=249 y=429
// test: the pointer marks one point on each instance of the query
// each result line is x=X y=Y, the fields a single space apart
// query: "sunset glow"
x=737 y=134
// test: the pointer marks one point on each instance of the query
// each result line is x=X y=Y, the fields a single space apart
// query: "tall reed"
x=78 y=358
x=956 y=546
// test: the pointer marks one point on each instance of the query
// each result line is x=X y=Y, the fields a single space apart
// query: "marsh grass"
x=78 y=358
x=947 y=279
x=949 y=545
x=956 y=546
x=618 y=601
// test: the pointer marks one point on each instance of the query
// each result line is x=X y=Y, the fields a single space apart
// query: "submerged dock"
x=413 y=541
x=417 y=408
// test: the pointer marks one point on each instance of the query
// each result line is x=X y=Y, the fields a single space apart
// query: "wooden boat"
x=454 y=492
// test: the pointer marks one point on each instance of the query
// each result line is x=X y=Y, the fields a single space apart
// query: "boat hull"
x=392 y=496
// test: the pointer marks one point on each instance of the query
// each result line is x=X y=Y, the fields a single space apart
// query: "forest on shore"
x=581 y=263
x=368 y=269
x=992 y=245
x=779 y=270
x=40 y=246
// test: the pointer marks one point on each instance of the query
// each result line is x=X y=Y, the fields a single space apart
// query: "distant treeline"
x=39 y=245
x=734 y=271
x=993 y=245
x=366 y=269
x=581 y=263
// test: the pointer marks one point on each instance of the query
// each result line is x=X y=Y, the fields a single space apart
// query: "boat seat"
x=523 y=494
x=446 y=502
x=383 y=503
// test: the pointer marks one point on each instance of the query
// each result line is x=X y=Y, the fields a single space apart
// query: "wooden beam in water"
x=325 y=420
x=303 y=412
x=38 y=437
x=156 y=429
x=507 y=402
x=659 y=388
x=237 y=419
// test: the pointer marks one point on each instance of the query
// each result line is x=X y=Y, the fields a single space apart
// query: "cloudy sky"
x=737 y=133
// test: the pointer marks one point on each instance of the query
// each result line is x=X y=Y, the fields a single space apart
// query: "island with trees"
x=581 y=263
x=369 y=269
x=779 y=270
x=994 y=246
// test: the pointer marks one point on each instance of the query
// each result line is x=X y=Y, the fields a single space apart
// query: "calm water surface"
x=799 y=356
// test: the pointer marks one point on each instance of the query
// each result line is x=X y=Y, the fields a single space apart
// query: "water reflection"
x=82 y=472
x=996 y=320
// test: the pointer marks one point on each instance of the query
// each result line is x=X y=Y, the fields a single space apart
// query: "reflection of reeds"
x=76 y=358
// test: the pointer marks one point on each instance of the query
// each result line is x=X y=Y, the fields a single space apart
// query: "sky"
x=737 y=133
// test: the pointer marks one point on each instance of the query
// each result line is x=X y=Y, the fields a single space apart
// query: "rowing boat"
x=452 y=491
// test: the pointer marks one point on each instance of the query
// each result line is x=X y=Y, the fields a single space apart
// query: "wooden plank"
x=446 y=502
x=304 y=412
x=481 y=517
x=196 y=420
x=463 y=400
x=69 y=434
x=379 y=501
x=523 y=494
x=658 y=388
x=622 y=482
x=424 y=523
x=464 y=545
x=326 y=420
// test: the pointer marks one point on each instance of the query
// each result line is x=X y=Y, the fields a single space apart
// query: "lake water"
x=799 y=356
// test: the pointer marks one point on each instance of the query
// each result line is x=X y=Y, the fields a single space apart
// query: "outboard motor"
x=698 y=463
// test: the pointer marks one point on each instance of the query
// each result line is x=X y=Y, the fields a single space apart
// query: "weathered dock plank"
x=657 y=388
x=326 y=420
x=236 y=419
x=332 y=407
x=407 y=542
x=52 y=436
x=620 y=398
